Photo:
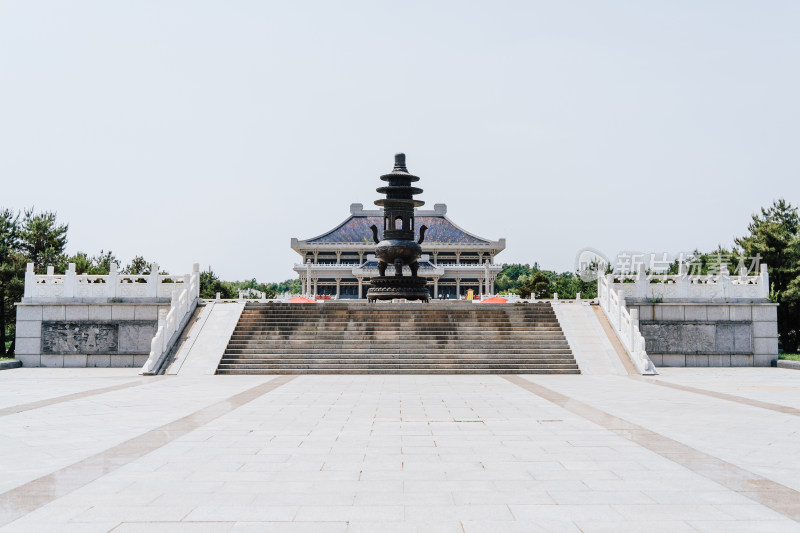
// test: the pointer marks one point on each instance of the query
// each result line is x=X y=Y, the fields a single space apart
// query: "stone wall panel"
x=136 y=338
x=79 y=338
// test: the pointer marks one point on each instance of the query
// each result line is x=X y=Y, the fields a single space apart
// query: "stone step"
x=399 y=324
x=400 y=371
x=458 y=347
x=397 y=339
x=398 y=361
x=311 y=364
x=400 y=355
x=396 y=323
x=325 y=328
x=255 y=354
x=321 y=348
x=393 y=339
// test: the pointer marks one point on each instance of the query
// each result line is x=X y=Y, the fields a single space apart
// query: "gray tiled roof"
x=440 y=230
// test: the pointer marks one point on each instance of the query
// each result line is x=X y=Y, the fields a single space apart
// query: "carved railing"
x=625 y=323
x=172 y=322
x=112 y=285
x=720 y=286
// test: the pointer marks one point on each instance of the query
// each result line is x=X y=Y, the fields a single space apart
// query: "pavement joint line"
x=767 y=492
x=14 y=409
x=785 y=409
x=26 y=498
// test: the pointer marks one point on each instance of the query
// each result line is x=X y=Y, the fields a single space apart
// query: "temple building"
x=340 y=262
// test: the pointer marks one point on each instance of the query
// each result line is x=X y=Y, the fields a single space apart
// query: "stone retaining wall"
x=709 y=334
x=81 y=334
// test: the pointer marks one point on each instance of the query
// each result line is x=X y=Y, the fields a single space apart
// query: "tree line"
x=210 y=285
x=526 y=280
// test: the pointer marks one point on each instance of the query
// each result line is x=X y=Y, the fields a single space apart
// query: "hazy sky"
x=213 y=132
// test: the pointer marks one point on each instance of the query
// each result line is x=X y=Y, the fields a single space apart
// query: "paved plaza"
x=712 y=450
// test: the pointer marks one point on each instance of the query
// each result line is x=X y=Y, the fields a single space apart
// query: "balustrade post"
x=112 y=283
x=609 y=288
x=642 y=283
x=724 y=282
x=682 y=281
x=162 y=325
x=30 y=282
x=634 y=327
x=763 y=282
x=620 y=300
x=153 y=281
x=69 y=281
x=196 y=279
x=600 y=288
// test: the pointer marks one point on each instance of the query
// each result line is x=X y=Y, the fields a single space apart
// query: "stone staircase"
x=360 y=338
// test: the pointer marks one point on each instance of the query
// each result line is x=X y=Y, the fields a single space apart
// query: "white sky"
x=216 y=131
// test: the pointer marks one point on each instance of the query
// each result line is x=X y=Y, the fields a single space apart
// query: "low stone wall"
x=709 y=334
x=81 y=334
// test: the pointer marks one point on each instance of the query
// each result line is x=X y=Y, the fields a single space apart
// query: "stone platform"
x=710 y=450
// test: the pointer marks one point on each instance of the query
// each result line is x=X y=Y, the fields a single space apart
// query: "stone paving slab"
x=397 y=453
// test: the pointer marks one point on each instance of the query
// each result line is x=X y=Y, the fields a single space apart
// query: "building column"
x=360 y=285
x=458 y=258
x=458 y=287
x=338 y=287
x=486 y=276
x=308 y=278
x=303 y=284
x=315 y=287
x=338 y=257
x=316 y=256
x=361 y=257
x=435 y=288
x=435 y=257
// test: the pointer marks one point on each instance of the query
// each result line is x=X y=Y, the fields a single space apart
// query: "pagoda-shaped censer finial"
x=397 y=247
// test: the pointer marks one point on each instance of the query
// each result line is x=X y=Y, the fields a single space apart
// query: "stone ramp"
x=358 y=338
x=204 y=344
x=593 y=350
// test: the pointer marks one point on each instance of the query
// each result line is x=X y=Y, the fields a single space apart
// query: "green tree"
x=210 y=285
x=43 y=239
x=513 y=276
x=101 y=263
x=12 y=274
x=138 y=266
x=538 y=285
x=292 y=286
x=773 y=235
x=83 y=263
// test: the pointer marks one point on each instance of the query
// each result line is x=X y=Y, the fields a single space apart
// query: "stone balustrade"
x=172 y=322
x=115 y=284
x=625 y=324
x=722 y=286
